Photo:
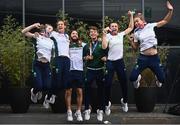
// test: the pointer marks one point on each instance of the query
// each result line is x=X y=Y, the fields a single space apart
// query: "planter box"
x=145 y=98
x=19 y=99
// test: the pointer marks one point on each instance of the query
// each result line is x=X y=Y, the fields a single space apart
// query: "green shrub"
x=15 y=53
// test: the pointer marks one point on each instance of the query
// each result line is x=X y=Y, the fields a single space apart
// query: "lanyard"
x=92 y=48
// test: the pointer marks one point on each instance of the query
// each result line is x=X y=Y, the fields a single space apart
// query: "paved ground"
x=38 y=115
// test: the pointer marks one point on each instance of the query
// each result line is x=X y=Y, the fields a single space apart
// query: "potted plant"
x=15 y=63
x=145 y=95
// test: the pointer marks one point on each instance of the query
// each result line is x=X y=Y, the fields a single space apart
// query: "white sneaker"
x=33 y=96
x=124 y=106
x=108 y=109
x=69 y=116
x=87 y=114
x=78 y=116
x=46 y=102
x=137 y=82
x=99 y=115
x=158 y=84
x=39 y=95
x=52 y=99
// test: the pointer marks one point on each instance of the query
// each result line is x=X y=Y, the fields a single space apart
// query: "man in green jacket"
x=95 y=57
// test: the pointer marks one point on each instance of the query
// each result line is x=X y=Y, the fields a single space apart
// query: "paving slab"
x=38 y=115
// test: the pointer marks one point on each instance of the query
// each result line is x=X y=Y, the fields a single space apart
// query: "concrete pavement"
x=38 y=115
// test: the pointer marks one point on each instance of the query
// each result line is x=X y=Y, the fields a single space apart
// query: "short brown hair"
x=93 y=28
x=139 y=15
x=43 y=27
x=64 y=21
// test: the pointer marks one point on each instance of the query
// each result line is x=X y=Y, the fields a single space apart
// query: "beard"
x=75 y=39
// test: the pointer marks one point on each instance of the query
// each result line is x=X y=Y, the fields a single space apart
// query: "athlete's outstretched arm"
x=167 y=18
x=26 y=31
x=104 y=39
x=131 y=23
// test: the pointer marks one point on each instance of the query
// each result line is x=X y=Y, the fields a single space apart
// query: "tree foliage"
x=15 y=53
